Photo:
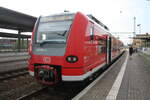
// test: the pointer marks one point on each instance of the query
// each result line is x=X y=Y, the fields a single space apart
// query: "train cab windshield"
x=54 y=29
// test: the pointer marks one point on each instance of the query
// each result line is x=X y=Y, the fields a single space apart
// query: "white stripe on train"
x=77 y=78
x=82 y=77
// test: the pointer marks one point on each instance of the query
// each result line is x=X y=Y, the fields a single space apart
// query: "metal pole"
x=134 y=27
x=19 y=40
x=22 y=44
x=27 y=43
x=139 y=25
x=140 y=29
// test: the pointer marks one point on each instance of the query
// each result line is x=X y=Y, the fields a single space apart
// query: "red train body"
x=70 y=47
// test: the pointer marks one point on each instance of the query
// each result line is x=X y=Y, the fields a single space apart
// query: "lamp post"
x=134 y=26
x=139 y=25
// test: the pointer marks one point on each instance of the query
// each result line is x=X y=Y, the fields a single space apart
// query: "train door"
x=109 y=50
x=92 y=56
x=102 y=49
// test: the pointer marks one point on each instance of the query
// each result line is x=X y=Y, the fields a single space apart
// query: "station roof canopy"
x=10 y=35
x=10 y=19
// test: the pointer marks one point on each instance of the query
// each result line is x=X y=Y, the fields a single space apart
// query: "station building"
x=141 y=41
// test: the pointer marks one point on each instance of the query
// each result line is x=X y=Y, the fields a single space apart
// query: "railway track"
x=32 y=94
x=52 y=93
x=13 y=73
x=4 y=60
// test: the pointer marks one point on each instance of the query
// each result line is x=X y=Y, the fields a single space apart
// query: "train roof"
x=89 y=15
x=60 y=14
x=98 y=22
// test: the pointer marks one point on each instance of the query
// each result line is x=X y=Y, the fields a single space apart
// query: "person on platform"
x=130 y=50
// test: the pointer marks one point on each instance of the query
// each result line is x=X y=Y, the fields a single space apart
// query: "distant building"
x=141 y=40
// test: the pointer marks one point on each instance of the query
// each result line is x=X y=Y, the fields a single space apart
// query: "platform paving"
x=100 y=90
x=147 y=57
x=135 y=84
x=13 y=66
x=136 y=81
x=13 y=60
x=8 y=54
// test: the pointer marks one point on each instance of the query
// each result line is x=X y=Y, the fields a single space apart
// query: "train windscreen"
x=54 y=29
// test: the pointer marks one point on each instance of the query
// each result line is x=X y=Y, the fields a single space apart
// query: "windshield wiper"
x=63 y=34
x=43 y=42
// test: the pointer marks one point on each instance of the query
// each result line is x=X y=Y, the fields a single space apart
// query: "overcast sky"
x=116 y=14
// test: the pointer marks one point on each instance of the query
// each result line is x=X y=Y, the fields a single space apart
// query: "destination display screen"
x=57 y=18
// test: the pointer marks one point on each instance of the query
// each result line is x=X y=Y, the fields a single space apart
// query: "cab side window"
x=91 y=30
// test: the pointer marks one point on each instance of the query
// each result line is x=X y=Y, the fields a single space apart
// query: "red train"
x=70 y=47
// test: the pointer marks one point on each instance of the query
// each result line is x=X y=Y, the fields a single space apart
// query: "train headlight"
x=72 y=59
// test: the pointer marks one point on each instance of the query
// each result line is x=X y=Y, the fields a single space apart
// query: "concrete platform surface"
x=136 y=81
x=134 y=85
x=13 y=66
x=101 y=89
x=13 y=60
x=8 y=54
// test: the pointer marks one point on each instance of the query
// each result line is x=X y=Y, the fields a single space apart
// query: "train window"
x=101 y=46
x=53 y=29
x=91 y=31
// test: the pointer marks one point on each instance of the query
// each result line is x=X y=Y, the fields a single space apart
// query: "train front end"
x=48 y=47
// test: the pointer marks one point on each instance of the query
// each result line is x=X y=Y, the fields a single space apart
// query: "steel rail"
x=13 y=73
x=32 y=94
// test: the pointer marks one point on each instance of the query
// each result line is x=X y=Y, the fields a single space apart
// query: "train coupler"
x=46 y=74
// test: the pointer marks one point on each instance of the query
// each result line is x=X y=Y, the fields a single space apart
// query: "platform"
x=136 y=81
x=13 y=60
x=130 y=81
x=8 y=54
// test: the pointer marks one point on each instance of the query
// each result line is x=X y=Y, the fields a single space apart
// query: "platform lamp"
x=134 y=26
x=139 y=25
x=66 y=10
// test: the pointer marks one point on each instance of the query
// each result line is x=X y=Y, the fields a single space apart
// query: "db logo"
x=46 y=59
